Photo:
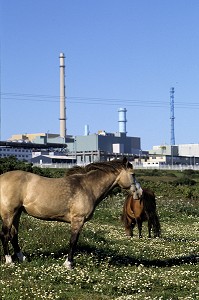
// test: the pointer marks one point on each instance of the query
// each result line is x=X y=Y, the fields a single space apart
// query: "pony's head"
x=135 y=189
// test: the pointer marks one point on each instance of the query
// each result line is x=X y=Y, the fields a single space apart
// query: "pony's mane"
x=106 y=166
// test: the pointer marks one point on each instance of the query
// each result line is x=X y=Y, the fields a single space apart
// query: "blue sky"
x=119 y=53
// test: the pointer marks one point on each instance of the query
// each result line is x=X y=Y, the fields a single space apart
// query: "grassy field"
x=108 y=265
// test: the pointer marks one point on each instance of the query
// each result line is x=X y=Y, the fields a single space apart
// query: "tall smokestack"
x=62 y=97
x=122 y=120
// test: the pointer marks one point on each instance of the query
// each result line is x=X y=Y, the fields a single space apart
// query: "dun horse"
x=138 y=208
x=70 y=199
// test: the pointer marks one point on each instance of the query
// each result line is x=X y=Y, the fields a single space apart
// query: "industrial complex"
x=50 y=148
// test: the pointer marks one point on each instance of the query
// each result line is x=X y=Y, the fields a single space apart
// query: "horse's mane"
x=75 y=170
x=106 y=166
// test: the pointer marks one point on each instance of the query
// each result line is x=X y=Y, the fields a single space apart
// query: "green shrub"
x=12 y=163
x=184 y=181
x=189 y=172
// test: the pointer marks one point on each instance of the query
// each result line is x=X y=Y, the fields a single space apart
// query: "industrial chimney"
x=62 y=97
x=122 y=120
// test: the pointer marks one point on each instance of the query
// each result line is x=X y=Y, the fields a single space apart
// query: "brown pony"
x=135 y=211
x=70 y=199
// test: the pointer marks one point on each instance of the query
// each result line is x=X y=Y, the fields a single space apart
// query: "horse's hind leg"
x=76 y=226
x=5 y=238
x=4 y=234
x=9 y=233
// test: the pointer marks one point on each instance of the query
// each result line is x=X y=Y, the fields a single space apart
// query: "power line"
x=95 y=100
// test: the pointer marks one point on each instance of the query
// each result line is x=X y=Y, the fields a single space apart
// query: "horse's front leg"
x=76 y=226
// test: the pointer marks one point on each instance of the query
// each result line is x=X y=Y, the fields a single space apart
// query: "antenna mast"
x=172 y=115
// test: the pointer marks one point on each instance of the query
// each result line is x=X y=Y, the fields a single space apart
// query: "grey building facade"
x=103 y=146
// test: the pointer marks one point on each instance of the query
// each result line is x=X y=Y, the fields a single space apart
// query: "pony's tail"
x=149 y=203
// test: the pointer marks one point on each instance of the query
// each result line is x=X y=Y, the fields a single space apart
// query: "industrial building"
x=83 y=149
x=182 y=154
x=103 y=146
x=19 y=152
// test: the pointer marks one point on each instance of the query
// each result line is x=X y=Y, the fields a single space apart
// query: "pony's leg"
x=128 y=231
x=76 y=226
x=156 y=227
x=133 y=223
x=139 y=223
x=129 y=225
x=14 y=238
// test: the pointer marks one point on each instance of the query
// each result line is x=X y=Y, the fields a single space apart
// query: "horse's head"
x=126 y=176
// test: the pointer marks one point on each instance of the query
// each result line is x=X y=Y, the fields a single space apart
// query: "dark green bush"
x=189 y=172
x=12 y=163
x=184 y=181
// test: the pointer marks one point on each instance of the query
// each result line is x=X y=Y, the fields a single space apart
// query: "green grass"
x=108 y=265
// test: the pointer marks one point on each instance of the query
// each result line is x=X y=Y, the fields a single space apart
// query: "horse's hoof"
x=8 y=260
x=67 y=264
x=21 y=257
